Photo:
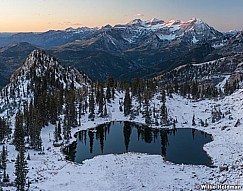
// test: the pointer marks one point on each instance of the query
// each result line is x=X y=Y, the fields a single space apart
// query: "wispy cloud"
x=139 y=15
x=68 y=23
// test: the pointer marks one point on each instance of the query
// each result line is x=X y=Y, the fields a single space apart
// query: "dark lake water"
x=178 y=145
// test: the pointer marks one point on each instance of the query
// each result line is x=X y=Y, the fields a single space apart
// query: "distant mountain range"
x=137 y=49
x=122 y=37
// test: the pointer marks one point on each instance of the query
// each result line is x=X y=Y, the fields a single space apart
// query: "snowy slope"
x=133 y=171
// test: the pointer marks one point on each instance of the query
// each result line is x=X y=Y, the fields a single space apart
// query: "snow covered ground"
x=133 y=171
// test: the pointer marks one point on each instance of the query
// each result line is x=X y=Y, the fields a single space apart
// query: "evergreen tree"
x=28 y=157
x=19 y=132
x=4 y=158
x=91 y=106
x=202 y=122
x=66 y=130
x=71 y=113
x=56 y=134
x=164 y=114
x=59 y=130
x=193 y=120
x=35 y=127
x=163 y=96
x=4 y=129
x=113 y=93
x=105 y=111
x=4 y=164
x=147 y=113
x=21 y=171
x=127 y=103
x=101 y=101
x=110 y=90
x=108 y=93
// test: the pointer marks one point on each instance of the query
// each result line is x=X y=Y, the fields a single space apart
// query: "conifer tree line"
x=199 y=82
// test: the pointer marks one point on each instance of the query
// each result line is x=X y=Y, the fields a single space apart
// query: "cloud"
x=140 y=15
x=68 y=23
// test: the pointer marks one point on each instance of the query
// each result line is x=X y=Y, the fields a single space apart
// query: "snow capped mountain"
x=194 y=30
x=137 y=22
x=137 y=45
x=42 y=66
x=40 y=72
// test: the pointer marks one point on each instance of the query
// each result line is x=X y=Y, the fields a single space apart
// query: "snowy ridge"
x=20 y=89
x=195 y=29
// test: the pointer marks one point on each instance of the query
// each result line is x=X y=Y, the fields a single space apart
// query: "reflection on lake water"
x=177 y=145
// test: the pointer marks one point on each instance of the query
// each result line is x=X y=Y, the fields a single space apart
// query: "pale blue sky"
x=42 y=15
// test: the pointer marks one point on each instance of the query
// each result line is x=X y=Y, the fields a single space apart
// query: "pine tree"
x=19 y=132
x=4 y=158
x=105 y=111
x=4 y=129
x=164 y=115
x=174 y=124
x=193 y=120
x=4 y=163
x=127 y=103
x=108 y=93
x=66 y=130
x=147 y=113
x=163 y=96
x=70 y=112
x=113 y=93
x=91 y=106
x=28 y=157
x=55 y=134
x=59 y=130
x=21 y=170
x=101 y=101
x=35 y=127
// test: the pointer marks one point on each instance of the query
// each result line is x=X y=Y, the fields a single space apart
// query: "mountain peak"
x=155 y=21
x=135 y=22
x=37 y=58
x=195 y=20
x=106 y=27
x=40 y=65
x=69 y=29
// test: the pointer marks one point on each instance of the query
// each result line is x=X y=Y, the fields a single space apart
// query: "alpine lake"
x=180 y=146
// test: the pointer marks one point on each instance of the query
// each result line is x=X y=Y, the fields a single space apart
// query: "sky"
x=43 y=15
